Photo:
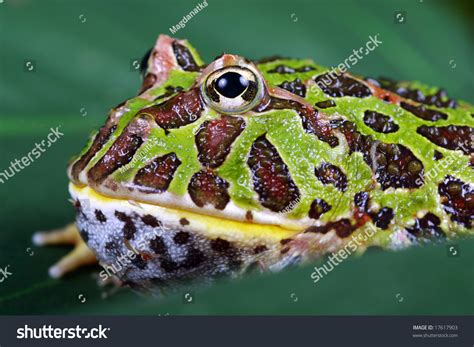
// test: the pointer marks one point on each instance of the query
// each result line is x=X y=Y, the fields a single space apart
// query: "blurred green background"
x=81 y=57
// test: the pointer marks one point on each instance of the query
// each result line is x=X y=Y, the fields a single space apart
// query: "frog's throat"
x=210 y=226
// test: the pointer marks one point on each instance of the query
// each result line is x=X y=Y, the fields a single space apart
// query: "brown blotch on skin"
x=380 y=122
x=284 y=69
x=158 y=246
x=285 y=241
x=122 y=150
x=285 y=250
x=361 y=208
x=182 y=109
x=183 y=221
x=424 y=113
x=325 y=103
x=454 y=137
x=271 y=177
x=383 y=217
x=206 y=187
x=151 y=221
x=437 y=155
x=184 y=57
x=342 y=227
x=100 y=216
x=439 y=99
x=215 y=137
x=309 y=118
x=393 y=165
x=318 y=208
x=341 y=86
x=181 y=237
x=331 y=174
x=129 y=230
x=100 y=139
x=220 y=245
x=249 y=216
x=296 y=87
x=427 y=228
x=457 y=198
x=259 y=249
x=158 y=174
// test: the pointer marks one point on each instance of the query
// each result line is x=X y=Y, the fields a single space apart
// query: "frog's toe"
x=81 y=254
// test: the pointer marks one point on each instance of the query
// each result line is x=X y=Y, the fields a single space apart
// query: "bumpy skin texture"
x=321 y=159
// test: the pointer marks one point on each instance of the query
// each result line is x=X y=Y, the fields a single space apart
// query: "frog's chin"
x=210 y=226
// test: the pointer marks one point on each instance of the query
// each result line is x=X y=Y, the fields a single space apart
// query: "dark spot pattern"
x=158 y=174
x=285 y=69
x=121 y=152
x=427 y=228
x=309 y=117
x=457 y=198
x=383 y=217
x=361 y=201
x=325 y=103
x=424 y=113
x=181 y=237
x=437 y=155
x=158 y=246
x=342 y=227
x=129 y=228
x=215 y=137
x=454 y=137
x=380 y=122
x=438 y=99
x=296 y=87
x=184 y=57
x=100 y=216
x=206 y=187
x=259 y=249
x=271 y=178
x=249 y=215
x=394 y=165
x=318 y=208
x=331 y=174
x=151 y=221
x=182 y=109
x=99 y=140
x=220 y=245
x=342 y=85
x=183 y=221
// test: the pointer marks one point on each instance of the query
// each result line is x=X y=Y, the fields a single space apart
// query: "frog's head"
x=201 y=138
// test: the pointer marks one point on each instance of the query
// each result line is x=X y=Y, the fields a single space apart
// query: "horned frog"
x=221 y=168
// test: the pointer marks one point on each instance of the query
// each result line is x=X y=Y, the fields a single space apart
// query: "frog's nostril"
x=231 y=84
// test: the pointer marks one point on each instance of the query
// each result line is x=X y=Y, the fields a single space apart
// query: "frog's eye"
x=232 y=90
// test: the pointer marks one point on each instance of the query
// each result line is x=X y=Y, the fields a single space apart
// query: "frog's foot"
x=69 y=235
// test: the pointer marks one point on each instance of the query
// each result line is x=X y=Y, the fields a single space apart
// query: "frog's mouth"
x=209 y=226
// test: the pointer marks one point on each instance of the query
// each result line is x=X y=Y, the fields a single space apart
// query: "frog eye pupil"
x=231 y=84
